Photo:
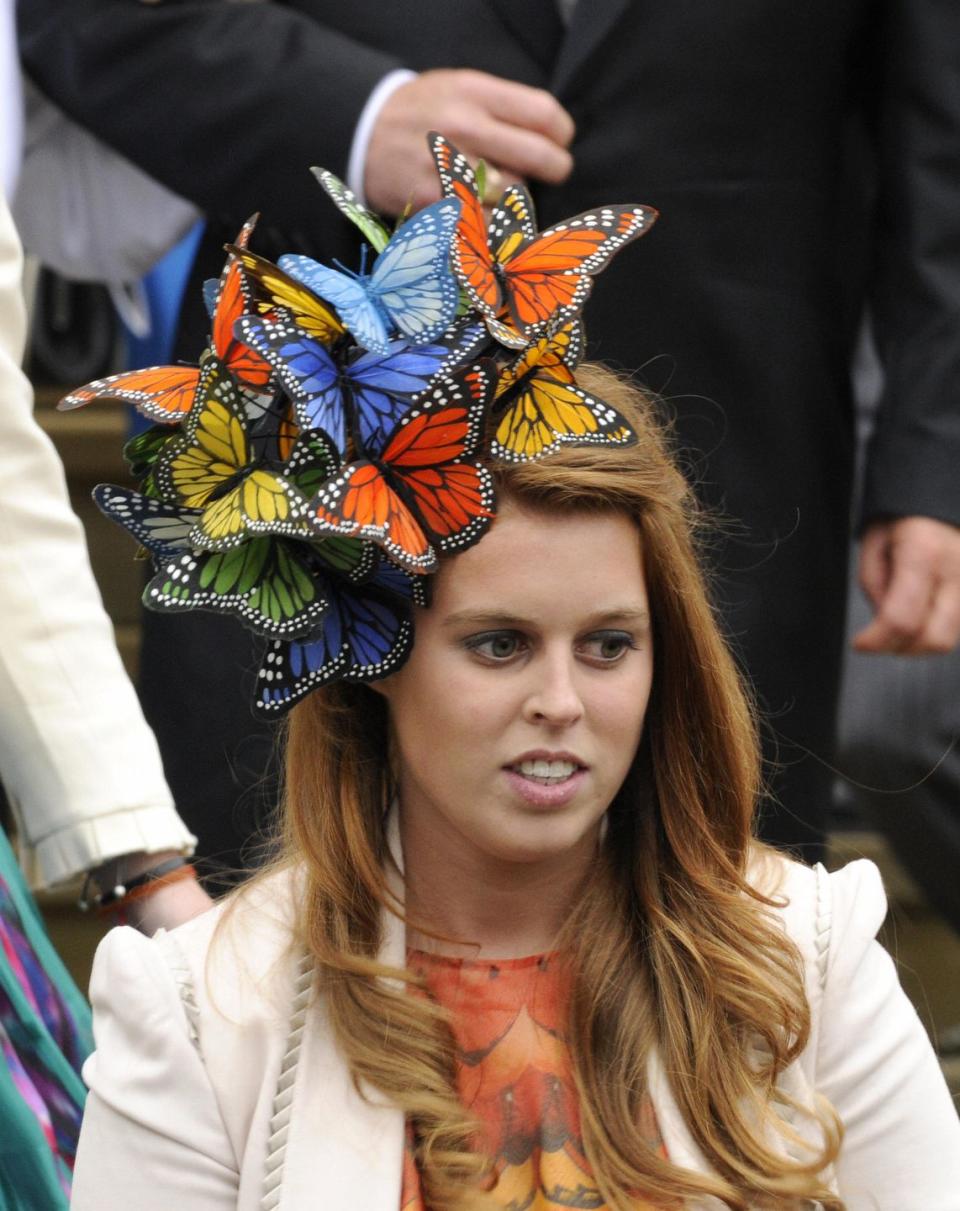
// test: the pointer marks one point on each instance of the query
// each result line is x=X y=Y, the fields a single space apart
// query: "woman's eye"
x=499 y=646
x=609 y=645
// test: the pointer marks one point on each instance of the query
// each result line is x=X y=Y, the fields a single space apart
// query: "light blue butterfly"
x=411 y=288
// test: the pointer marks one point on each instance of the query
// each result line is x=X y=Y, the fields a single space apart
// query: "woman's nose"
x=554 y=697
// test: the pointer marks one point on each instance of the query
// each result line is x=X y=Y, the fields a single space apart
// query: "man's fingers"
x=904 y=609
x=942 y=632
x=519 y=105
x=874 y=567
x=523 y=131
x=519 y=152
x=910 y=569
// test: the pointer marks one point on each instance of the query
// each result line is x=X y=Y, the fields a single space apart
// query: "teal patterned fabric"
x=44 y=1038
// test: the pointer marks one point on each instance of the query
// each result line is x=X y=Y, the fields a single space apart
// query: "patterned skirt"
x=44 y=1038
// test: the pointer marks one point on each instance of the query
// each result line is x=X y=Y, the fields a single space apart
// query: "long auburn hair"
x=669 y=944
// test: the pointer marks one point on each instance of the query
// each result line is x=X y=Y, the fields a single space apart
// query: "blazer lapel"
x=536 y=25
x=591 y=22
x=344 y=1149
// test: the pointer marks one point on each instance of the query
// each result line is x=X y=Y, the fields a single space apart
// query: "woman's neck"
x=487 y=908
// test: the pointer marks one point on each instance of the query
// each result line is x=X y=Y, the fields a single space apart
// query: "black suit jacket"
x=803 y=158
x=758 y=130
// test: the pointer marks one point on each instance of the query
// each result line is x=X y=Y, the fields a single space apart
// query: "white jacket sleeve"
x=77 y=758
x=153 y=1137
x=875 y=1064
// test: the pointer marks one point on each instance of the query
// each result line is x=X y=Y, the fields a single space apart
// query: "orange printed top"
x=514 y=1074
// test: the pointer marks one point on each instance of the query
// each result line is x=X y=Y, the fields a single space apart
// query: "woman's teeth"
x=547 y=772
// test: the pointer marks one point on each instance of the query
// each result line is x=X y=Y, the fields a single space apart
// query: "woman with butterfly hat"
x=518 y=946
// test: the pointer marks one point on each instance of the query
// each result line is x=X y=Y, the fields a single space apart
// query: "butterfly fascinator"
x=337 y=434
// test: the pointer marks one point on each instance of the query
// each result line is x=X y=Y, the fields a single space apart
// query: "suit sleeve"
x=152 y=1135
x=912 y=466
x=227 y=104
x=81 y=766
x=875 y=1064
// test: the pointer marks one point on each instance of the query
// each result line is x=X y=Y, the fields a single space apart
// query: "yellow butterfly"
x=212 y=467
x=274 y=288
x=543 y=407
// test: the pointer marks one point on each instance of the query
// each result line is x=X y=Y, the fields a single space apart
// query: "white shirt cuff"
x=357 y=163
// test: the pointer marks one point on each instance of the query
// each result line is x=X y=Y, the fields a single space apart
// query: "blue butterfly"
x=380 y=387
x=363 y=635
x=411 y=288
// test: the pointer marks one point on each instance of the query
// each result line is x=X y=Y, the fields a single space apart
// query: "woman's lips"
x=540 y=793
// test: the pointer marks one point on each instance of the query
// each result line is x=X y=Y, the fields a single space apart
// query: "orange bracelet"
x=147 y=889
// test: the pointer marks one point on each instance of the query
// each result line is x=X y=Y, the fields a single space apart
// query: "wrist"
x=114 y=885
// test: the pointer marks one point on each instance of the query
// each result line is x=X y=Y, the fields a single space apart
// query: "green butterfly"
x=372 y=226
x=267 y=582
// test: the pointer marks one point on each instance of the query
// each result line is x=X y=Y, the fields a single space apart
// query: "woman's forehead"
x=533 y=559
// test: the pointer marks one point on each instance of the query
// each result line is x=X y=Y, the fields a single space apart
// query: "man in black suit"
x=798 y=156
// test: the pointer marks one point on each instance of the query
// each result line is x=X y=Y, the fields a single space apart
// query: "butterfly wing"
x=162 y=528
x=163 y=393
x=313 y=460
x=305 y=369
x=550 y=278
x=412 y=280
x=512 y=223
x=210 y=468
x=557 y=354
x=353 y=559
x=141 y=453
x=346 y=201
x=383 y=386
x=470 y=252
x=274 y=288
x=361 y=503
x=431 y=461
x=213 y=448
x=360 y=638
x=265 y=582
x=235 y=298
x=263 y=502
x=274 y=432
x=361 y=313
x=545 y=413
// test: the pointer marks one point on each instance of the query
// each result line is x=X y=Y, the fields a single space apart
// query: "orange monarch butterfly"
x=507 y=267
x=421 y=486
x=166 y=393
x=163 y=393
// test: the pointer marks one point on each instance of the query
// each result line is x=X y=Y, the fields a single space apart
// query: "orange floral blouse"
x=515 y=1076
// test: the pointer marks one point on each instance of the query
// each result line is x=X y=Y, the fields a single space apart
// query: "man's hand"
x=523 y=132
x=910 y=571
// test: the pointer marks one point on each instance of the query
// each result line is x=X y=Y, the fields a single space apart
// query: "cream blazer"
x=216 y=1085
x=79 y=763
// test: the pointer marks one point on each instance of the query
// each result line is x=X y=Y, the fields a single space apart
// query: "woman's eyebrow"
x=635 y=615
x=486 y=618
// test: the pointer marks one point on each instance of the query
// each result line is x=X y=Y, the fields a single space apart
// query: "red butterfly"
x=166 y=393
x=424 y=487
x=508 y=267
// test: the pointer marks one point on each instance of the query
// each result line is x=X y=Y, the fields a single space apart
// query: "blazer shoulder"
x=831 y=916
x=241 y=959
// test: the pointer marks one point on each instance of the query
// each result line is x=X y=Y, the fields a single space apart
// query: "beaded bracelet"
x=107 y=899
